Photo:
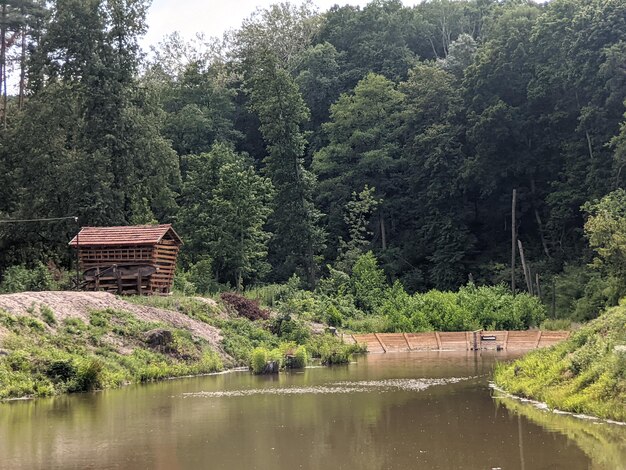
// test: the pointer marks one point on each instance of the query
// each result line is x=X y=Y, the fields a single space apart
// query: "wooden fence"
x=457 y=341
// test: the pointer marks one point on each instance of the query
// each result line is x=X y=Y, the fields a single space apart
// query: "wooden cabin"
x=138 y=259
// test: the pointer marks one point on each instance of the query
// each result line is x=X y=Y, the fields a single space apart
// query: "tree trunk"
x=525 y=267
x=513 y=238
x=22 y=92
x=3 y=62
x=544 y=243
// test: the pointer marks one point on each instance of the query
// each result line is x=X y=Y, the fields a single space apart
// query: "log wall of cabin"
x=164 y=257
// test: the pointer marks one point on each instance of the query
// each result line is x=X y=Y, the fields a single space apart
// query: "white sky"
x=212 y=17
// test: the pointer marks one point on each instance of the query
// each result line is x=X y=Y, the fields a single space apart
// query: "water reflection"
x=191 y=423
x=603 y=443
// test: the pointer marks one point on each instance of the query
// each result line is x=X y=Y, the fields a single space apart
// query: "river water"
x=388 y=411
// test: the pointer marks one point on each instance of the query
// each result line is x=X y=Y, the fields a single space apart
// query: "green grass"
x=81 y=356
x=586 y=374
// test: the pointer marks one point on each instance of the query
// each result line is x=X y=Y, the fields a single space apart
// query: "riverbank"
x=62 y=342
x=585 y=374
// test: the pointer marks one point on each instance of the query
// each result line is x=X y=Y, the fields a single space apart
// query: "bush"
x=300 y=358
x=258 y=360
x=331 y=350
x=244 y=307
x=202 y=277
x=182 y=283
x=21 y=279
x=61 y=370
x=89 y=376
x=368 y=283
x=48 y=315
x=287 y=328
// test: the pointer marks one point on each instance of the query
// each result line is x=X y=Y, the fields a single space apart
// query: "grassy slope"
x=43 y=353
x=586 y=374
x=41 y=356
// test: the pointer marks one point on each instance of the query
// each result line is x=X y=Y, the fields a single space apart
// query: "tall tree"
x=224 y=207
x=298 y=238
x=363 y=149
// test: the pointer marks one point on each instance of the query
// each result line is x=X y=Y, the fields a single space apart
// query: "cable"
x=52 y=219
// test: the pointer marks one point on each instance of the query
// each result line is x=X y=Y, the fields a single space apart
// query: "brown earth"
x=80 y=304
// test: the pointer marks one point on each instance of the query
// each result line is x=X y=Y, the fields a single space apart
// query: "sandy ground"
x=80 y=304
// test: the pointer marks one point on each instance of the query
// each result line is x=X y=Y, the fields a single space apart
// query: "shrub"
x=20 y=279
x=99 y=319
x=202 y=277
x=331 y=350
x=288 y=328
x=368 y=282
x=271 y=295
x=244 y=307
x=182 y=283
x=333 y=316
x=300 y=358
x=48 y=315
x=61 y=370
x=258 y=360
x=88 y=376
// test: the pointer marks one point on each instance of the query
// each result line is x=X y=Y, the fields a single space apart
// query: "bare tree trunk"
x=22 y=92
x=537 y=285
x=513 y=238
x=525 y=267
x=544 y=243
x=3 y=63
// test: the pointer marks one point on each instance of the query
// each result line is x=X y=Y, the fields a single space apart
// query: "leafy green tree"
x=460 y=55
x=357 y=214
x=200 y=110
x=298 y=238
x=363 y=149
x=225 y=205
x=433 y=161
x=368 y=282
x=606 y=230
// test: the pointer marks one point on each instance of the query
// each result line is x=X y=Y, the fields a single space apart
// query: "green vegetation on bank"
x=111 y=349
x=586 y=374
x=273 y=337
x=363 y=301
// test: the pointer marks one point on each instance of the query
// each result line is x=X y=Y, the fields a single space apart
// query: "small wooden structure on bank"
x=138 y=259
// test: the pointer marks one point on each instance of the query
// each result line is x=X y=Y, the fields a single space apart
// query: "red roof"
x=129 y=235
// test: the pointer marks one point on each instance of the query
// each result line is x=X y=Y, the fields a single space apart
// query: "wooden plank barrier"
x=458 y=341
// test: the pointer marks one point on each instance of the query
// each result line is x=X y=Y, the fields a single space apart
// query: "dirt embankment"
x=80 y=304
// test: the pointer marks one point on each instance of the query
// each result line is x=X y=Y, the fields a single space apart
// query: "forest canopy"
x=304 y=139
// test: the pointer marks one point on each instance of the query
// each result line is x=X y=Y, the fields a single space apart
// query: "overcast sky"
x=212 y=17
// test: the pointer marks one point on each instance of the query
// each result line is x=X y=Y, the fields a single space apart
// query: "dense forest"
x=304 y=139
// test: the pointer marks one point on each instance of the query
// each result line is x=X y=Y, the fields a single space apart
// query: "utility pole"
x=513 y=238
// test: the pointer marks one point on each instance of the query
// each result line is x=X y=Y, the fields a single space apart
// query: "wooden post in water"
x=513 y=238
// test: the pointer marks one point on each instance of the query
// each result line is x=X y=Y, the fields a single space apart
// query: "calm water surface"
x=379 y=413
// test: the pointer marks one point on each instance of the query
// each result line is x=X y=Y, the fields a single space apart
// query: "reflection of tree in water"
x=604 y=443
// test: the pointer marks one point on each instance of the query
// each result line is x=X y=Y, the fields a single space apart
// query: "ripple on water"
x=336 y=388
